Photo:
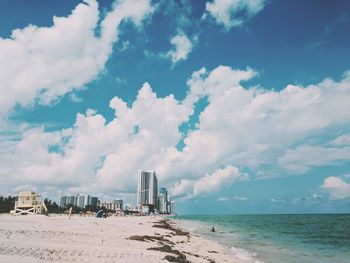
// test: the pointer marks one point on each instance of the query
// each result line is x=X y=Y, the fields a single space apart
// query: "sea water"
x=321 y=238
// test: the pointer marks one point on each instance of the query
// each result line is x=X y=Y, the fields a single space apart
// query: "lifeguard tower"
x=29 y=203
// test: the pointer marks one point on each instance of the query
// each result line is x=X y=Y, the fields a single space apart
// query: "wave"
x=245 y=256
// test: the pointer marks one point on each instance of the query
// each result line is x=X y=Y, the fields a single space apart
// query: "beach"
x=55 y=238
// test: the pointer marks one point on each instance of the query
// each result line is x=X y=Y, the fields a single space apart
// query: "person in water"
x=212 y=229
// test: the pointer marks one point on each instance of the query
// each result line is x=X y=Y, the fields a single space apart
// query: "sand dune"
x=115 y=239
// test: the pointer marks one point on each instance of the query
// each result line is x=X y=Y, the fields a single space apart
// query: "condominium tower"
x=163 y=201
x=147 y=189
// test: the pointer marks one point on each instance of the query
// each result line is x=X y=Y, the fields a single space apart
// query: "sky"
x=240 y=106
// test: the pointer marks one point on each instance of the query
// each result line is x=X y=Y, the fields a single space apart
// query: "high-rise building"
x=163 y=201
x=163 y=191
x=80 y=201
x=68 y=200
x=147 y=189
x=87 y=200
x=172 y=207
x=94 y=201
x=168 y=205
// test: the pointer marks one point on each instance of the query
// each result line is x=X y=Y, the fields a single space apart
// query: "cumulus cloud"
x=209 y=183
x=240 y=129
x=342 y=140
x=337 y=188
x=182 y=188
x=248 y=127
x=304 y=157
x=213 y=182
x=187 y=30
x=40 y=64
x=233 y=13
x=182 y=47
x=94 y=154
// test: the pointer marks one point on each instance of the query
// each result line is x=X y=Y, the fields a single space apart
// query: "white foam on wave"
x=202 y=228
x=244 y=255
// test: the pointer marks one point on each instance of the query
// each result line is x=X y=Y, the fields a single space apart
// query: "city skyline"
x=147 y=199
x=239 y=106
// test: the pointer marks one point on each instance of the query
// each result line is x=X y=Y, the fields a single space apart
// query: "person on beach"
x=70 y=212
x=212 y=229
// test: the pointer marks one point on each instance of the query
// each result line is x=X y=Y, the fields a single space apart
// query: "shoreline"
x=115 y=239
x=240 y=254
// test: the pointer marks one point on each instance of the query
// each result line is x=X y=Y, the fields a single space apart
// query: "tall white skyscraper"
x=147 y=189
x=80 y=200
x=163 y=201
x=87 y=200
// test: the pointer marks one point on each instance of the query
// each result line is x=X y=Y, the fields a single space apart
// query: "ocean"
x=304 y=238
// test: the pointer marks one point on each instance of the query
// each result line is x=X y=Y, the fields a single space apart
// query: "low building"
x=115 y=205
x=132 y=208
x=118 y=204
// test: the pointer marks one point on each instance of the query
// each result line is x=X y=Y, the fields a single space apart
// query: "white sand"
x=87 y=239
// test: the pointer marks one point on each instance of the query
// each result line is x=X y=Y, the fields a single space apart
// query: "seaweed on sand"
x=166 y=225
x=146 y=238
x=180 y=257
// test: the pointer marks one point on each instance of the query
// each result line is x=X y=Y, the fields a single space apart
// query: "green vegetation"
x=53 y=207
x=7 y=204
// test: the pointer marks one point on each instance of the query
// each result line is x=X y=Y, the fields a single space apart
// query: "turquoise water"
x=278 y=238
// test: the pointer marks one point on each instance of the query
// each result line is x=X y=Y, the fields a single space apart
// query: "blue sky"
x=240 y=106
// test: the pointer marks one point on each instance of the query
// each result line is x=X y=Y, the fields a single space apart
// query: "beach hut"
x=29 y=203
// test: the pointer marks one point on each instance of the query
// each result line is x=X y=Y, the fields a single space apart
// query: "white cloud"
x=182 y=188
x=94 y=154
x=236 y=197
x=75 y=98
x=304 y=157
x=213 y=182
x=342 y=140
x=186 y=28
x=40 y=64
x=249 y=128
x=233 y=13
x=316 y=196
x=256 y=127
x=277 y=200
x=223 y=199
x=182 y=47
x=337 y=188
x=240 y=198
x=209 y=183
